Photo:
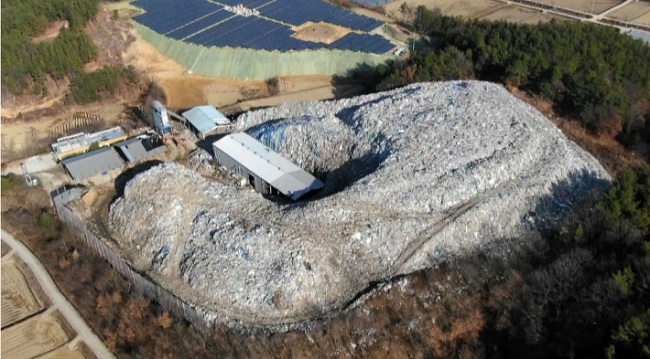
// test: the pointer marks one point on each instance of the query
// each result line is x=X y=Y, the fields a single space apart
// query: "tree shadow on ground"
x=563 y=198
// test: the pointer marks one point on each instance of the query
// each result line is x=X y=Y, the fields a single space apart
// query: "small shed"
x=265 y=169
x=206 y=119
x=92 y=163
x=137 y=148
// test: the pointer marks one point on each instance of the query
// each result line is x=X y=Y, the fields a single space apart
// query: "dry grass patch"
x=63 y=352
x=637 y=12
x=517 y=14
x=464 y=8
x=189 y=91
x=583 y=5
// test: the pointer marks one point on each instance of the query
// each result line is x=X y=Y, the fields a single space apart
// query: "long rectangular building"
x=264 y=168
x=92 y=163
x=81 y=142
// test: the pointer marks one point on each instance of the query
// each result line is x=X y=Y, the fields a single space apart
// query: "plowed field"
x=32 y=337
x=18 y=301
x=63 y=352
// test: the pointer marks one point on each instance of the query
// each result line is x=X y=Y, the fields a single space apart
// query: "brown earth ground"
x=513 y=13
x=32 y=337
x=481 y=9
x=5 y=249
x=63 y=352
x=320 y=32
x=637 y=12
x=26 y=333
x=583 y=5
x=378 y=13
x=464 y=8
x=51 y=32
x=18 y=300
x=29 y=329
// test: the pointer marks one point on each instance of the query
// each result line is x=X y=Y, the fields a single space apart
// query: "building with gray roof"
x=138 y=148
x=265 y=169
x=92 y=163
x=206 y=119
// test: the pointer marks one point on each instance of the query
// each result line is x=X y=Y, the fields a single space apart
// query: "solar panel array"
x=363 y=42
x=167 y=15
x=207 y=23
x=298 y=12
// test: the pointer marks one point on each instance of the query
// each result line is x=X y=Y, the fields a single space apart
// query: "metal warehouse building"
x=92 y=163
x=138 y=148
x=206 y=119
x=265 y=169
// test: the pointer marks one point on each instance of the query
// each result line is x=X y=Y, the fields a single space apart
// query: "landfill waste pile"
x=414 y=176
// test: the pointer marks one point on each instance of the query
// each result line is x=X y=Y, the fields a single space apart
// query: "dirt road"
x=58 y=299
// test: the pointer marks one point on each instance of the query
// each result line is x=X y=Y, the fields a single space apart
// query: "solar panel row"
x=167 y=15
x=251 y=4
x=198 y=25
x=363 y=42
x=206 y=23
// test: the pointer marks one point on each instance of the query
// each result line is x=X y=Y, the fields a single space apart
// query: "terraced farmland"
x=33 y=337
x=30 y=326
x=18 y=300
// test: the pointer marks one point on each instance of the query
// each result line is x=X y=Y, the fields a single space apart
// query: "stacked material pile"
x=413 y=176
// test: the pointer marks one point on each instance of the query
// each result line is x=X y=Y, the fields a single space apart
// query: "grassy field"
x=637 y=12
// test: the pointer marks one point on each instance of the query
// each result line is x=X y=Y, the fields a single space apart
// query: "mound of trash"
x=414 y=177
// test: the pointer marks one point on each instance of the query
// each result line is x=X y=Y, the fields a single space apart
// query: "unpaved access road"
x=58 y=299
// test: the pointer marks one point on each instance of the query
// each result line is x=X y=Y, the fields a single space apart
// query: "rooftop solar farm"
x=258 y=24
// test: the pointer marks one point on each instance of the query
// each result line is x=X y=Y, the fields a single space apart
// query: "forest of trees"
x=26 y=64
x=92 y=86
x=587 y=295
x=590 y=72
